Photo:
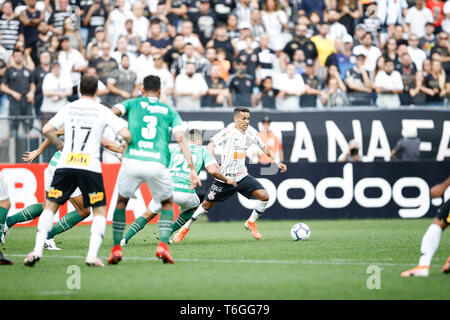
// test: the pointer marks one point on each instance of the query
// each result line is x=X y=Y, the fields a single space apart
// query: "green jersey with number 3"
x=149 y=122
x=179 y=168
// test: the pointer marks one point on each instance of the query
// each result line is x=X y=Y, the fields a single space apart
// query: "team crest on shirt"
x=211 y=195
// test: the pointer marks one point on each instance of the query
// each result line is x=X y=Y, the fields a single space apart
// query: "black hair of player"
x=152 y=83
x=88 y=85
x=240 y=109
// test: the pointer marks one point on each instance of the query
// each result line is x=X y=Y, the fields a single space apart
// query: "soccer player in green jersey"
x=185 y=197
x=35 y=210
x=147 y=159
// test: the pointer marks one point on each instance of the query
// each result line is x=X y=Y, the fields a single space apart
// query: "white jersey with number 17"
x=84 y=121
x=234 y=149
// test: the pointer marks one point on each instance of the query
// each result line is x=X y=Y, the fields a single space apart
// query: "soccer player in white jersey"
x=84 y=121
x=5 y=204
x=235 y=139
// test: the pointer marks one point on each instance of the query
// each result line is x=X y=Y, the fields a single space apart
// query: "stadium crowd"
x=268 y=54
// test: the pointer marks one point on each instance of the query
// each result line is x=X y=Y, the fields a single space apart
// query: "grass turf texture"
x=223 y=261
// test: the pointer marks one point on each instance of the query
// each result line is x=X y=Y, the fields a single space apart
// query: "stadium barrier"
x=306 y=191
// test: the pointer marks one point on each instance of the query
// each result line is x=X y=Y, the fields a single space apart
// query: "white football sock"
x=44 y=226
x=430 y=243
x=97 y=232
x=260 y=207
x=197 y=214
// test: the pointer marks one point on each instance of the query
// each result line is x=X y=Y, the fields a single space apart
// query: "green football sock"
x=119 y=223
x=165 y=225
x=183 y=217
x=3 y=215
x=65 y=223
x=137 y=226
x=27 y=214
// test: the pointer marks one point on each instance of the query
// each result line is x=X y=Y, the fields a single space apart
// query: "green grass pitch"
x=223 y=261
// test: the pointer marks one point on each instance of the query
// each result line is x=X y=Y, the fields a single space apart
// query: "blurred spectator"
x=408 y=72
x=105 y=64
x=221 y=40
x=241 y=87
x=17 y=82
x=74 y=36
x=333 y=95
x=244 y=9
x=407 y=148
x=388 y=86
x=400 y=35
x=10 y=28
x=324 y=46
x=56 y=87
x=250 y=56
x=358 y=82
x=115 y=23
x=210 y=59
x=446 y=21
x=291 y=87
x=121 y=83
x=370 y=51
x=217 y=92
x=102 y=90
x=313 y=23
x=346 y=59
x=187 y=30
x=360 y=31
x=122 y=49
x=379 y=67
x=416 y=17
x=352 y=153
x=372 y=22
x=171 y=56
x=42 y=42
x=271 y=141
x=429 y=40
x=266 y=58
x=418 y=96
x=133 y=40
x=223 y=8
x=417 y=55
x=56 y=20
x=205 y=21
x=144 y=62
x=312 y=88
x=72 y=62
x=441 y=51
x=437 y=10
x=189 y=56
x=30 y=18
x=240 y=43
x=391 y=12
x=349 y=11
x=189 y=88
x=176 y=11
x=233 y=31
x=53 y=48
x=275 y=21
x=298 y=60
x=306 y=7
x=140 y=23
x=267 y=94
x=95 y=17
x=224 y=64
x=97 y=41
x=257 y=28
x=27 y=60
x=390 y=52
x=337 y=29
x=39 y=74
x=300 y=41
x=426 y=68
x=435 y=84
x=165 y=76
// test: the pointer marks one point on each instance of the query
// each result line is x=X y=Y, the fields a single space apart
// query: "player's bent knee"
x=441 y=223
x=262 y=195
x=206 y=205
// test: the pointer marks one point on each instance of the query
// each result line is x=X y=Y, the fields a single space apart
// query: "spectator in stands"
x=43 y=41
x=391 y=12
x=298 y=60
x=379 y=67
x=312 y=86
x=189 y=88
x=437 y=10
x=176 y=11
x=98 y=40
x=56 y=87
x=358 y=82
x=244 y=9
x=360 y=31
x=187 y=30
x=39 y=74
x=205 y=21
x=240 y=42
x=337 y=29
x=210 y=59
x=17 y=83
x=418 y=96
x=291 y=87
x=157 y=38
x=11 y=29
x=390 y=52
x=429 y=40
x=122 y=49
x=105 y=64
x=349 y=11
x=144 y=62
x=221 y=40
x=133 y=40
x=56 y=20
x=257 y=28
x=417 y=55
x=441 y=51
x=388 y=86
x=140 y=22
x=115 y=24
x=165 y=76
x=271 y=141
x=217 y=93
x=267 y=95
x=369 y=50
x=324 y=46
x=266 y=59
x=95 y=17
x=400 y=35
x=222 y=9
x=407 y=148
x=250 y=56
x=417 y=17
x=121 y=83
x=233 y=31
x=27 y=61
x=275 y=21
x=53 y=48
x=333 y=95
x=372 y=22
x=345 y=58
x=224 y=64
x=446 y=21
x=189 y=56
x=30 y=18
x=102 y=90
x=306 y=7
x=240 y=86
x=300 y=41
x=408 y=72
x=352 y=153
x=74 y=36
x=435 y=84
x=72 y=62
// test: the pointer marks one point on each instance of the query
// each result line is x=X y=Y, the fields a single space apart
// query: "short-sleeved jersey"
x=149 y=122
x=179 y=168
x=84 y=121
x=234 y=149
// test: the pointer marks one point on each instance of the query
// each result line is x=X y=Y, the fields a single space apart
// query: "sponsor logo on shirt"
x=78 y=159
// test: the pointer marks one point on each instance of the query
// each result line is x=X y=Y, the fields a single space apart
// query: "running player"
x=5 y=204
x=146 y=160
x=185 y=197
x=235 y=139
x=432 y=237
x=84 y=121
x=33 y=211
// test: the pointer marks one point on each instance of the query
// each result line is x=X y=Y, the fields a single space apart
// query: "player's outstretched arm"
x=51 y=133
x=195 y=181
x=29 y=156
x=437 y=190
x=214 y=170
x=280 y=165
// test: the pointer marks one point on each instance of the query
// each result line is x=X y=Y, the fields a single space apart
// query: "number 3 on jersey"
x=149 y=132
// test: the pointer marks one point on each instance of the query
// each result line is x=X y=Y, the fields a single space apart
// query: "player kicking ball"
x=185 y=197
x=235 y=140
x=147 y=160
x=84 y=121
x=432 y=237
x=35 y=210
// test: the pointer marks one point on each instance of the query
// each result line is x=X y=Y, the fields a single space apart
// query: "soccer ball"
x=300 y=231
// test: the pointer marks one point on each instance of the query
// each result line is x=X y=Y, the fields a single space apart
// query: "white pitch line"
x=310 y=262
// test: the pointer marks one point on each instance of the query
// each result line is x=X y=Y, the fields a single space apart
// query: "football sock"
x=137 y=226
x=27 y=214
x=197 y=214
x=97 y=232
x=430 y=243
x=165 y=225
x=44 y=226
x=65 y=223
x=183 y=217
x=119 y=223
x=260 y=207
x=3 y=215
